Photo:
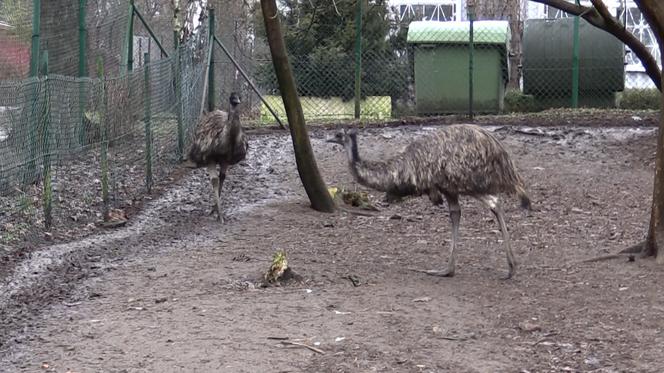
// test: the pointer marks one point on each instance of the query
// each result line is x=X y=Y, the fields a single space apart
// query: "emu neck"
x=353 y=153
x=234 y=121
x=374 y=175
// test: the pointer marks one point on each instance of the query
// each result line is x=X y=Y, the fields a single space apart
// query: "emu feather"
x=219 y=141
x=453 y=161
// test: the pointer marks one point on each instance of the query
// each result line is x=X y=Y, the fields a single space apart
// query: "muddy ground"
x=176 y=291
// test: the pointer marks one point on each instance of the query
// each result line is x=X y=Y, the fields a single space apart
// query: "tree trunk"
x=653 y=11
x=304 y=156
x=509 y=10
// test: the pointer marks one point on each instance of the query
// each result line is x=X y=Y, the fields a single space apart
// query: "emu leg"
x=494 y=205
x=455 y=217
x=214 y=179
x=222 y=177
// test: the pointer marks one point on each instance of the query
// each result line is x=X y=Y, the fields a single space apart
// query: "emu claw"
x=440 y=273
x=436 y=272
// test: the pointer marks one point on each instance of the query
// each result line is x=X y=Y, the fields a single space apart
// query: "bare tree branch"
x=599 y=16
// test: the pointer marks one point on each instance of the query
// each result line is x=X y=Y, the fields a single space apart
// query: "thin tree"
x=304 y=156
x=653 y=11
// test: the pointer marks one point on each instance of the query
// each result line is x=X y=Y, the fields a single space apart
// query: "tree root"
x=357 y=212
x=631 y=253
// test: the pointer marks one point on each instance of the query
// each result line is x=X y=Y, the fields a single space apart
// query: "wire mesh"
x=89 y=128
x=77 y=134
x=15 y=33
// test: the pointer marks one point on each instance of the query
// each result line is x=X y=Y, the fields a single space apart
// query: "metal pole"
x=177 y=82
x=103 y=130
x=36 y=30
x=207 y=71
x=130 y=38
x=82 y=67
x=45 y=137
x=33 y=121
x=358 y=58
x=148 y=124
x=154 y=37
x=211 y=87
x=575 y=62
x=251 y=84
x=471 y=47
x=82 y=38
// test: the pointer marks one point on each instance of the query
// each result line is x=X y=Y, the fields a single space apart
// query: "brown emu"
x=219 y=140
x=456 y=160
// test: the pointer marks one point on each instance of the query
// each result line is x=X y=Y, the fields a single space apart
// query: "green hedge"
x=517 y=102
x=639 y=99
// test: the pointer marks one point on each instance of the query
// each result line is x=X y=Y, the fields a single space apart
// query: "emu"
x=219 y=140
x=453 y=161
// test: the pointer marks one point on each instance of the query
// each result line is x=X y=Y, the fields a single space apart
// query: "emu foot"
x=436 y=272
x=214 y=211
x=440 y=273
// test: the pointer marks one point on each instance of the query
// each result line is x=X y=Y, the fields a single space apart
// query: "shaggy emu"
x=456 y=160
x=219 y=140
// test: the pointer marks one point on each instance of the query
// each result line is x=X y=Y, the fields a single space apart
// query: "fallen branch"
x=312 y=348
x=357 y=212
x=608 y=257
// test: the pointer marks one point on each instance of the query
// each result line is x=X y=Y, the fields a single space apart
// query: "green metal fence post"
x=358 y=58
x=575 y=63
x=177 y=83
x=471 y=48
x=129 y=42
x=36 y=31
x=46 y=150
x=103 y=130
x=33 y=120
x=82 y=67
x=148 y=124
x=211 y=87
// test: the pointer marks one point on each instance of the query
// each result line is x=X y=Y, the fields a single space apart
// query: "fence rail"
x=123 y=94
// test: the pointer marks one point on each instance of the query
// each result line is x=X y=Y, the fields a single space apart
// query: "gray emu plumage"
x=219 y=140
x=453 y=161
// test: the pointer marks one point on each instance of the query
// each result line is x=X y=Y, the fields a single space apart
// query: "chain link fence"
x=92 y=131
x=117 y=108
x=407 y=66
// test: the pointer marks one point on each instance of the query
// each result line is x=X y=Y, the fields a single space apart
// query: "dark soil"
x=176 y=291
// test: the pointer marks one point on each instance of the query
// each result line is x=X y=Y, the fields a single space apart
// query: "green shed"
x=442 y=65
x=547 y=63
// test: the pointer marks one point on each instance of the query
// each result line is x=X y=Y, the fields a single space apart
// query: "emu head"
x=347 y=139
x=234 y=99
x=343 y=137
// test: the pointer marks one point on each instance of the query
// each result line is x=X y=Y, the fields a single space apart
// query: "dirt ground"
x=176 y=291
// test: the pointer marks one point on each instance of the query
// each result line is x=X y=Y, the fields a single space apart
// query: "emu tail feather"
x=523 y=196
x=196 y=155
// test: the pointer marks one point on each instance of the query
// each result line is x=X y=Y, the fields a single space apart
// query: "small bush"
x=517 y=102
x=639 y=99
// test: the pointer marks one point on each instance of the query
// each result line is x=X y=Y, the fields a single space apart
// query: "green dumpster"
x=547 y=63
x=442 y=65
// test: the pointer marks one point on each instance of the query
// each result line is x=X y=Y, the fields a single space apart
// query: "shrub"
x=517 y=102
x=639 y=99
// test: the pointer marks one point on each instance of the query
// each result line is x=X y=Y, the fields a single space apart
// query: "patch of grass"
x=517 y=102
x=330 y=109
x=13 y=232
x=639 y=99
x=25 y=205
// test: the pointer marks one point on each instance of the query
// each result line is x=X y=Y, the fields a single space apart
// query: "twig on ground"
x=608 y=257
x=312 y=348
x=357 y=212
